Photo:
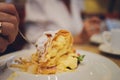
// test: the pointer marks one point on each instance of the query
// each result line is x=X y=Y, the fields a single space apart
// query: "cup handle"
x=106 y=38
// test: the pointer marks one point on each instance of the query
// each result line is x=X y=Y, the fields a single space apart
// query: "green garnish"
x=80 y=58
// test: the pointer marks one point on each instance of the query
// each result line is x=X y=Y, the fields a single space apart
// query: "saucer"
x=96 y=38
x=107 y=49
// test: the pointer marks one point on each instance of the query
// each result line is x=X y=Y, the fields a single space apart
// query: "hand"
x=9 y=21
x=91 y=27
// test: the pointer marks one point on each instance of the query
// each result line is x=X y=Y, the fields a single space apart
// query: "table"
x=94 y=49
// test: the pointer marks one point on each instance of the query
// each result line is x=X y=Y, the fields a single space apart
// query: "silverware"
x=26 y=39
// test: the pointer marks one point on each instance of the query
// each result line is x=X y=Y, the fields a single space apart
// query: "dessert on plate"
x=54 y=54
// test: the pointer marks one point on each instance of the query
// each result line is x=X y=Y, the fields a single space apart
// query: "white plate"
x=96 y=38
x=94 y=67
x=107 y=49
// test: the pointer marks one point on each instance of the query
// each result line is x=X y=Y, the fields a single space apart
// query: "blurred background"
x=99 y=13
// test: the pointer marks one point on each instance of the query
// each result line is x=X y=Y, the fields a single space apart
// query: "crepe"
x=55 y=53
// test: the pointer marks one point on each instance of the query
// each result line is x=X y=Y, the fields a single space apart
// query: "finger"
x=4 y=17
x=8 y=29
x=8 y=8
x=3 y=44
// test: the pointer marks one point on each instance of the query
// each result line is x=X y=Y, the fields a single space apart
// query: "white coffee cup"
x=112 y=39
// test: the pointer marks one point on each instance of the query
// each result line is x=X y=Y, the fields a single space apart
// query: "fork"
x=26 y=39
